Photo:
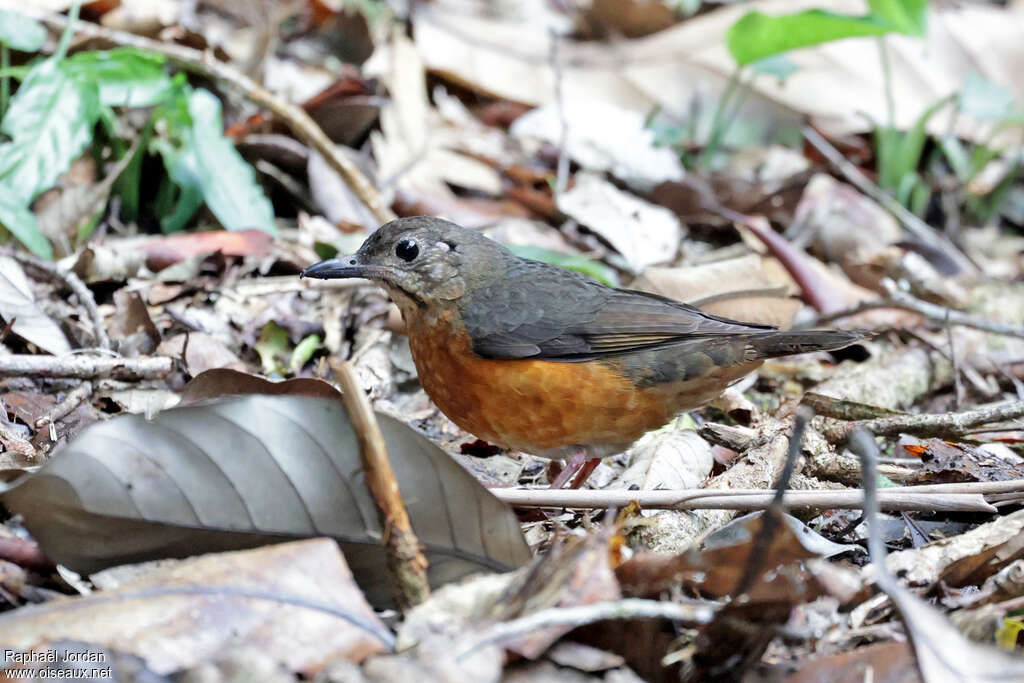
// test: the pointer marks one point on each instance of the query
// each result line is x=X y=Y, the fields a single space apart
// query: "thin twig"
x=772 y=517
x=930 y=424
x=405 y=555
x=562 y=172
x=281 y=284
x=578 y=615
x=708 y=499
x=205 y=64
x=912 y=223
x=934 y=313
x=74 y=399
x=81 y=366
x=958 y=385
x=73 y=282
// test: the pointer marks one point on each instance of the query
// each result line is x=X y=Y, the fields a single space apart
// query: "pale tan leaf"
x=17 y=303
x=295 y=601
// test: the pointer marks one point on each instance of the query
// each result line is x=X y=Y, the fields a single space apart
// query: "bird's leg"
x=577 y=468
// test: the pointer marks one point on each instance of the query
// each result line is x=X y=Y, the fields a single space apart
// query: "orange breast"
x=541 y=407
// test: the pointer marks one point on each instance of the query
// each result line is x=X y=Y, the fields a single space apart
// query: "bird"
x=535 y=358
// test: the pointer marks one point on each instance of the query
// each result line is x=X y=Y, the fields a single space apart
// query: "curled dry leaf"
x=226 y=473
x=669 y=458
x=924 y=566
x=17 y=303
x=944 y=462
x=601 y=138
x=295 y=601
x=643 y=233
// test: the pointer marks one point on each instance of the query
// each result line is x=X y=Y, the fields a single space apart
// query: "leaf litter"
x=230 y=515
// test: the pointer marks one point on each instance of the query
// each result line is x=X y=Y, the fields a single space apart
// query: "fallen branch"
x=405 y=555
x=579 y=615
x=85 y=367
x=74 y=283
x=912 y=223
x=705 y=499
x=205 y=64
x=930 y=424
x=933 y=313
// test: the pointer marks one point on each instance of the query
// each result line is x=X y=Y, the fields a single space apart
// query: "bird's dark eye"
x=407 y=250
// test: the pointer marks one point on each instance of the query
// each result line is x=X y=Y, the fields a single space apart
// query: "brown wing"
x=540 y=311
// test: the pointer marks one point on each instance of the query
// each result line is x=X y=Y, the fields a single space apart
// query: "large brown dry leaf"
x=18 y=304
x=294 y=601
x=837 y=84
x=738 y=288
x=245 y=471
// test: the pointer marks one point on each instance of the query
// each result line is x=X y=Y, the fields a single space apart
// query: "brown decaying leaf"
x=945 y=461
x=239 y=472
x=887 y=662
x=166 y=251
x=756 y=299
x=575 y=571
x=295 y=601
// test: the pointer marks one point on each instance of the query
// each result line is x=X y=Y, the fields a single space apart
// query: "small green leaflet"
x=757 y=35
x=21 y=222
x=126 y=77
x=21 y=33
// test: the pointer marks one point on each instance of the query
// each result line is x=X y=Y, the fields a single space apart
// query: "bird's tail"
x=774 y=344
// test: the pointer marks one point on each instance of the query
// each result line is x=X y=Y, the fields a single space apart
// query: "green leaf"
x=15 y=216
x=909 y=17
x=757 y=35
x=592 y=269
x=50 y=122
x=1008 y=633
x=273 y=347
x=304 y=350
x=227 y=182
x=126 y=77
x=899 y=153
x=21 y=33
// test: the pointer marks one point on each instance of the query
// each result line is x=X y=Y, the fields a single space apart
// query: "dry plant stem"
x=405 y=556
x=205 y=64
x=74 y=398
x=938 y=315
x=772 y=518
x=891 y=499
x=932 y=424
x=85 y=367
x=629 y=608
x=912 y=223
x=74 y=283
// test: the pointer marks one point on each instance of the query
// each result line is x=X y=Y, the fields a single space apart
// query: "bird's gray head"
x=422 y=259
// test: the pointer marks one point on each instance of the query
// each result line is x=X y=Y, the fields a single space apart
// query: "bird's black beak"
x=336 y=268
